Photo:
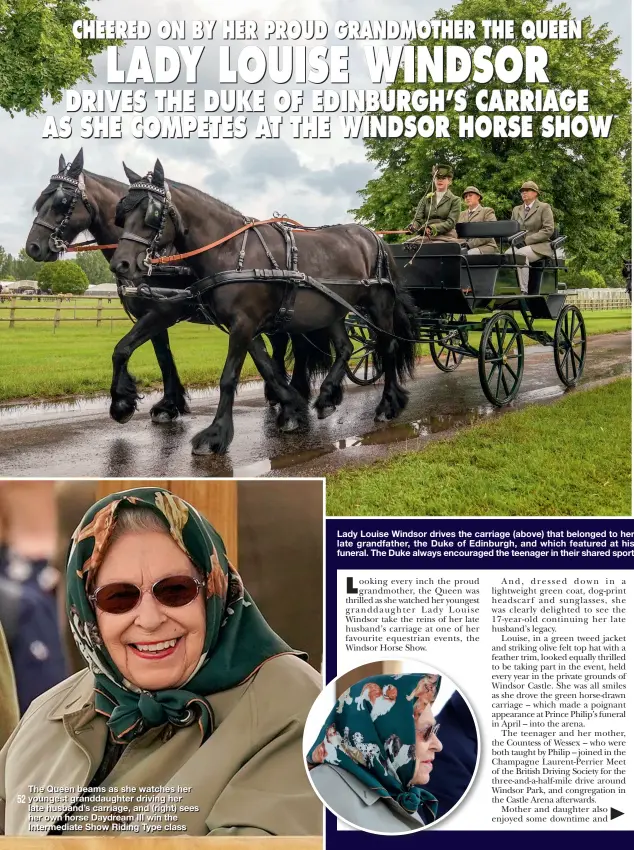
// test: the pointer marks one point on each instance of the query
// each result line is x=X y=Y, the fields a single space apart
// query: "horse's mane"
x=197 y=193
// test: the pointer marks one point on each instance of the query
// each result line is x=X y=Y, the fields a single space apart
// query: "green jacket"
x=442 y=218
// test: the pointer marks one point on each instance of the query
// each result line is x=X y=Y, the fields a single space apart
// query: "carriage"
x=459 y=296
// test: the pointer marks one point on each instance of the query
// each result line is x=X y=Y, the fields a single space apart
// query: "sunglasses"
x=121 y=597
x=425 y=734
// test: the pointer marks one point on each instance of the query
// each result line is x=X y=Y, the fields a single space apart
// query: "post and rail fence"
x=103 y=309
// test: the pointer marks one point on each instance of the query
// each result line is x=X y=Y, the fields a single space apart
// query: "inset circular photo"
x=391 y=747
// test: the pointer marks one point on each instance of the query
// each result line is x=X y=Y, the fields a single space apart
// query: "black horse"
x=76 y=200
x=156 y=217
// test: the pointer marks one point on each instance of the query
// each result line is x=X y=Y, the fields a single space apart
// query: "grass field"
x=570 y=458
x=75 y=358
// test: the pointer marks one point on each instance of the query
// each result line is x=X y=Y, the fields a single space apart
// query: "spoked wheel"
x=362 y=367
x=442 y=345
x=570 y=345
x=501 y=359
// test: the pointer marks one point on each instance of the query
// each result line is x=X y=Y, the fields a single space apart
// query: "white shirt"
x=439 y=197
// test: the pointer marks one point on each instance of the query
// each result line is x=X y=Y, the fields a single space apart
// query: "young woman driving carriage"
x=437 y=212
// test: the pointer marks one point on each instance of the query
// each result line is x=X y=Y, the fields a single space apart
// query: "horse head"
x=151 y=224
x=63 y=212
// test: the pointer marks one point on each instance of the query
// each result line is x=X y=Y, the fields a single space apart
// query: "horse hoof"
x=122 y=411
x=289 y=426
x=272 y=403
x=382 y=416
x=325 y=412
x=162 y=417
x=210 y=443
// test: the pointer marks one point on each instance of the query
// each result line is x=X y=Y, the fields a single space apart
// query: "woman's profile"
x=375 y=753
x=190 y=715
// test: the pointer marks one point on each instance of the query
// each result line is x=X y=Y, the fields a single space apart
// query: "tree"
x=95 y=266
x=23 y=267
x=39 y=55
x=63 y=276
x=585 y=180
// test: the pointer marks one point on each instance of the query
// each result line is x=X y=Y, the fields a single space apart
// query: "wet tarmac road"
x=79 y=439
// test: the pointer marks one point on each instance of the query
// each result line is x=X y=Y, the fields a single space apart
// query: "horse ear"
x=62 y=163
x=158 y=177
x=77 y=165
x=132 y=176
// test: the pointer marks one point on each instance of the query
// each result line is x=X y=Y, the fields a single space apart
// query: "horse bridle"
x=159 y=207
x=56 y=242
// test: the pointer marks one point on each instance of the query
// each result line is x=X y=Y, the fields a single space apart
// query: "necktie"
x=526 y=210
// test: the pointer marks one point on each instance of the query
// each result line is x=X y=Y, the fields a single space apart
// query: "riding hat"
x=473 y=189
x=442 y=171
x=528 y=184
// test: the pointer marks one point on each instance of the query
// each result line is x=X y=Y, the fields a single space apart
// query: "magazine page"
x=287 y=293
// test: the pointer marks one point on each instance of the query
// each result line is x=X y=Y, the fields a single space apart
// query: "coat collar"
x=533 y=209
x=75 y=699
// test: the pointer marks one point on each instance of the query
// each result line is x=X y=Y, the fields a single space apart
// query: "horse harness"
x=160 y=205
x=56 y=242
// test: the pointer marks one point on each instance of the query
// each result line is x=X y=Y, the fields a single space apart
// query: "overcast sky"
x=313 y=181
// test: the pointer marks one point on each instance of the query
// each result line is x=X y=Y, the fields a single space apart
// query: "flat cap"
x=473 y=189
x=528 y=184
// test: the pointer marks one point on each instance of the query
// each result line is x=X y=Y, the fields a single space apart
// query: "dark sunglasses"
x=425 y=734
x=120 y=597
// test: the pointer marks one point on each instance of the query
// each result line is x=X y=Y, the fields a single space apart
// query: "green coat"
x=248 y=778
x=442 y=218
x=539 y=224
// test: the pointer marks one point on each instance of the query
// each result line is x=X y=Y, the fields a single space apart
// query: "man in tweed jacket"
x=536 y=217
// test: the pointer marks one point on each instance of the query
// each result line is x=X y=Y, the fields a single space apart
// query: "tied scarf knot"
x=149 y=710
x=410 y=800
x=152 y=711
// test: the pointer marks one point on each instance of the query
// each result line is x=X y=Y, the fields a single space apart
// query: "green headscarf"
x=371 y=733
x=238 y=640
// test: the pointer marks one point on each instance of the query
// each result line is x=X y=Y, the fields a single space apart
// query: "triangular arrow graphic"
x=615 y=813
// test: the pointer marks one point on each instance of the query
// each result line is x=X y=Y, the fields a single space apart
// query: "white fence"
x=599 y=299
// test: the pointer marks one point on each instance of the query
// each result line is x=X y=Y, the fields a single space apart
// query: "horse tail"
x=405 y=325
x=315 y=347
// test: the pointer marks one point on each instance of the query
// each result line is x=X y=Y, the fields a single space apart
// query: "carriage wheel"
x=362 y=367
x=570 y=345
x=501 y=359
x=445 y=358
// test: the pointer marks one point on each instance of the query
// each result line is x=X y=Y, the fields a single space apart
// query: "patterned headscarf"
x=238 y=640
x=371 y=733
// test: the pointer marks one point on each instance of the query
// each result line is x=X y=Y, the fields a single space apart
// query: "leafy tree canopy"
x=95 y=266
x=63 y=276
x=587 y=181
x=39 y=55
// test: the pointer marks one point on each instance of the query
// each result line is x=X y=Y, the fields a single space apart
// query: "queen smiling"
x=188 y=689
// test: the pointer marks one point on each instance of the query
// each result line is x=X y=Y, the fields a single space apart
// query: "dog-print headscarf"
x=371 y=733
x=238 y=640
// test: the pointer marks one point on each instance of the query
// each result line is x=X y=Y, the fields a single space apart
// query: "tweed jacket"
x=248 y=778
x=540 y=225
x=486 y=246
x=442 y=217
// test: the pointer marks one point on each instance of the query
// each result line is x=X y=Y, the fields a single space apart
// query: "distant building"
x=101 y=289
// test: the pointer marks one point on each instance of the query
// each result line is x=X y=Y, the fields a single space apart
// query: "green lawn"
x=74 y=359
x=569 y=458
